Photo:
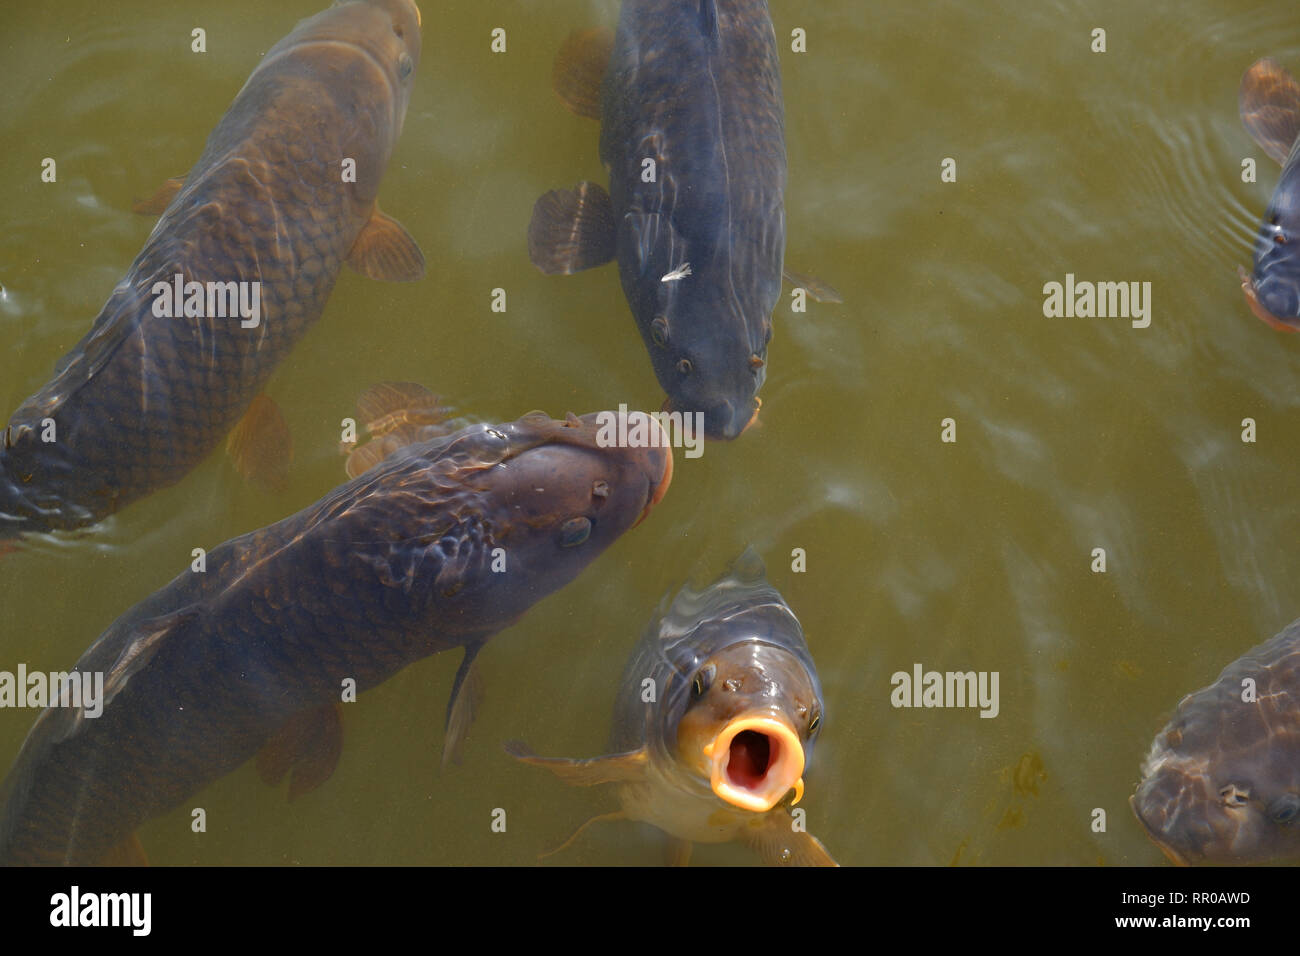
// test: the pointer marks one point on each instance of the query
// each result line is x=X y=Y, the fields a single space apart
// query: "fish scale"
x=142 y=399
x=213 y=666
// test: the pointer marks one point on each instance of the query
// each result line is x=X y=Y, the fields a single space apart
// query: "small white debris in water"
x=681 y=272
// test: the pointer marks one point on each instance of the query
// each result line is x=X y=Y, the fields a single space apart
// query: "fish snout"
x=754 y=761
x=1183 y=818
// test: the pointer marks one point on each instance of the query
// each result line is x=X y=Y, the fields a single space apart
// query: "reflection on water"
x=1071 y=434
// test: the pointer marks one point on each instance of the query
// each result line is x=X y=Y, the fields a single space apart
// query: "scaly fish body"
x=1222 y=781
x=696 y=87
x=395 y=565
x=693 y=136
x=144 y=398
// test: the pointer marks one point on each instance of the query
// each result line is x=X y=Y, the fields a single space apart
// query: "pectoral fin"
x=572 y=230
x=1269 y=104
x=614 y=768
x=819 y=290
x=466 y=696
x=385 y=250
x=386 y=405
x=260 y=445
x=773 y=837
x=395 y=414
x=579 y=69
x=307 y=747
x=160 y=200
x=677 y=852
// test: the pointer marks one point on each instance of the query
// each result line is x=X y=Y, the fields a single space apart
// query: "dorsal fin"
x=709 y=21
x=1269 y=103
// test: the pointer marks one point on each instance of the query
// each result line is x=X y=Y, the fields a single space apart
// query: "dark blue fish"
x=693 y=137
x=1269 y=104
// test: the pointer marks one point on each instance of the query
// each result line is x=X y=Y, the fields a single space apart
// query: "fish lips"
x=1274 y=299
x=723 y=421
x=1189 y=823
x=754 y=761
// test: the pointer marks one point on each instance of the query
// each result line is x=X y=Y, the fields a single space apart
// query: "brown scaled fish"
x=1222 y=782
x=144 y=397
x=714 y=723
x=251 y=655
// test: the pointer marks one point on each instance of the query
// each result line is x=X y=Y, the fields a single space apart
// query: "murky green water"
x=1072 y=434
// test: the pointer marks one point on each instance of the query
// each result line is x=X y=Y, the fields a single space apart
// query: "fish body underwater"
x=714 y=723
x=1222 y=781
x=143 y=397
x=1269 y=103
x=693 y=136
x=251 y=655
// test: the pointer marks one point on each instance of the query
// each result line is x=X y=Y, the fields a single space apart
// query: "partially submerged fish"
x=144 y=397
x=1269 y=103
x=688 y=93
x=441 y=545
x=714 y=723
x=1222 y=781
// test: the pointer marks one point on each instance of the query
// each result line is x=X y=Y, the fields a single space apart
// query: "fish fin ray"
x=385 y=250
x=820 y=290
x=599 y=818
x=307 y=747
x=463 y=705
x=385 y=405
x=572 y=230
x=579 y=70
x=677 y=852
x=1269 y=104
x=160 y=200
x=260 y=445
x=772 y=836
x=611 y=768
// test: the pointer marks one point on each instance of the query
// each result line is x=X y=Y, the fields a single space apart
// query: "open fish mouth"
x=755 y=762
x=1258 y=307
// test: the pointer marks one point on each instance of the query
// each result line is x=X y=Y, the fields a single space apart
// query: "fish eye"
x=574 y=532
x=659 y=331
x=814 y=724
x=703 y=679
x=1285 y=808
x=685 y=366
x=600 y=488
x=404 y=66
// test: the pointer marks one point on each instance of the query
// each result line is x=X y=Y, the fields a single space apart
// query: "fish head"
x=748 y=726
x=708 y=345
x=1273 y=288
x=532 y=503
x=368 y=50
x=1222 y=782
